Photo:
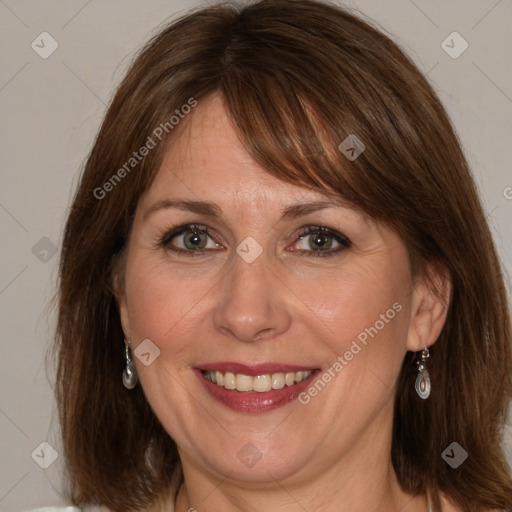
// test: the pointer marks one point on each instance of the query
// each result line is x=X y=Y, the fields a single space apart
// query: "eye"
x=196 y=240
x=191 y=239
x=318 y=241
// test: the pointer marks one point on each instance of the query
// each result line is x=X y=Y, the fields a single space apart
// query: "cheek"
x=163 y=307
x=160 y=299
x=167 y=307
x=363 y=315
x=345 y=302
x=352 y=300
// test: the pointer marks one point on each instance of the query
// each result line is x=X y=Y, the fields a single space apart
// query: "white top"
x=55 y=509
x=76 y=509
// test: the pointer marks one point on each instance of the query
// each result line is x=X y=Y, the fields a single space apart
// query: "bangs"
x=287 y=135
x=292 y=122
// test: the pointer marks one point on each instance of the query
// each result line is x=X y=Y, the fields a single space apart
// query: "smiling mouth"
x=258 y=383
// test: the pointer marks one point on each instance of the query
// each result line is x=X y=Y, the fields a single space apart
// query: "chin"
x=256 y=460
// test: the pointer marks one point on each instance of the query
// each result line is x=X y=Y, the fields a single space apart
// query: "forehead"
x=208 y=160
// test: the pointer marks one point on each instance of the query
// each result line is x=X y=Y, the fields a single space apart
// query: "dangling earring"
x=423 y=379
x=130 y=377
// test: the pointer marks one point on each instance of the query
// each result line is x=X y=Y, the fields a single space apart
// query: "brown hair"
x=296 y=77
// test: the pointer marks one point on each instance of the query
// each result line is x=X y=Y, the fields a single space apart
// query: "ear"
x=429 y=308
x=119 y=288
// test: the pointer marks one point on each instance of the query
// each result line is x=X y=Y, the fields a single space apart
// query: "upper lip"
x=253 y=370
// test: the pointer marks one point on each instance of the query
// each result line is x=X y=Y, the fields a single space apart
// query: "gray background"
x=51 y=109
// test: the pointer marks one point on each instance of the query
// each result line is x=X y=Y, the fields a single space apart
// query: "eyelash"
x=164 y=241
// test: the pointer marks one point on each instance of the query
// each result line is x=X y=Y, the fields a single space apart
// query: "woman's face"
x=264 y=297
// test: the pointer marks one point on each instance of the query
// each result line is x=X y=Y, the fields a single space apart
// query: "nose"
x=252 y=303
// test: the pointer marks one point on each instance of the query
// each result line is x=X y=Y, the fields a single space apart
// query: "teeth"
x=259 y=383
x=229 y=380
x=262 y=383
x=278 y=381
x=243 y=382
x=290 y=379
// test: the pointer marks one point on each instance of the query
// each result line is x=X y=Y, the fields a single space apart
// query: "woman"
x=278 y=290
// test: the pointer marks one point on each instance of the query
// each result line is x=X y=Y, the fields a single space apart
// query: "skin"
x=331 y=454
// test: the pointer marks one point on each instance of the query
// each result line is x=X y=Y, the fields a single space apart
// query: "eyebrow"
x=209 y=209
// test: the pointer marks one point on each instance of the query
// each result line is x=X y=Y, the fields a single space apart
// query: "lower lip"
x=252 y=401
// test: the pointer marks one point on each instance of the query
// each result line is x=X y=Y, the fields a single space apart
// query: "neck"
x=229 y=497
x=362 y=479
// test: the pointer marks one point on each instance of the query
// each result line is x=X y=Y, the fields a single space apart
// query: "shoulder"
x=448 y=506
x=89 y=508
x=55 y=509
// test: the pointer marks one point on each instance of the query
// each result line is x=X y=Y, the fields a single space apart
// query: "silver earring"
x=423 y=379
x=130 y=377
